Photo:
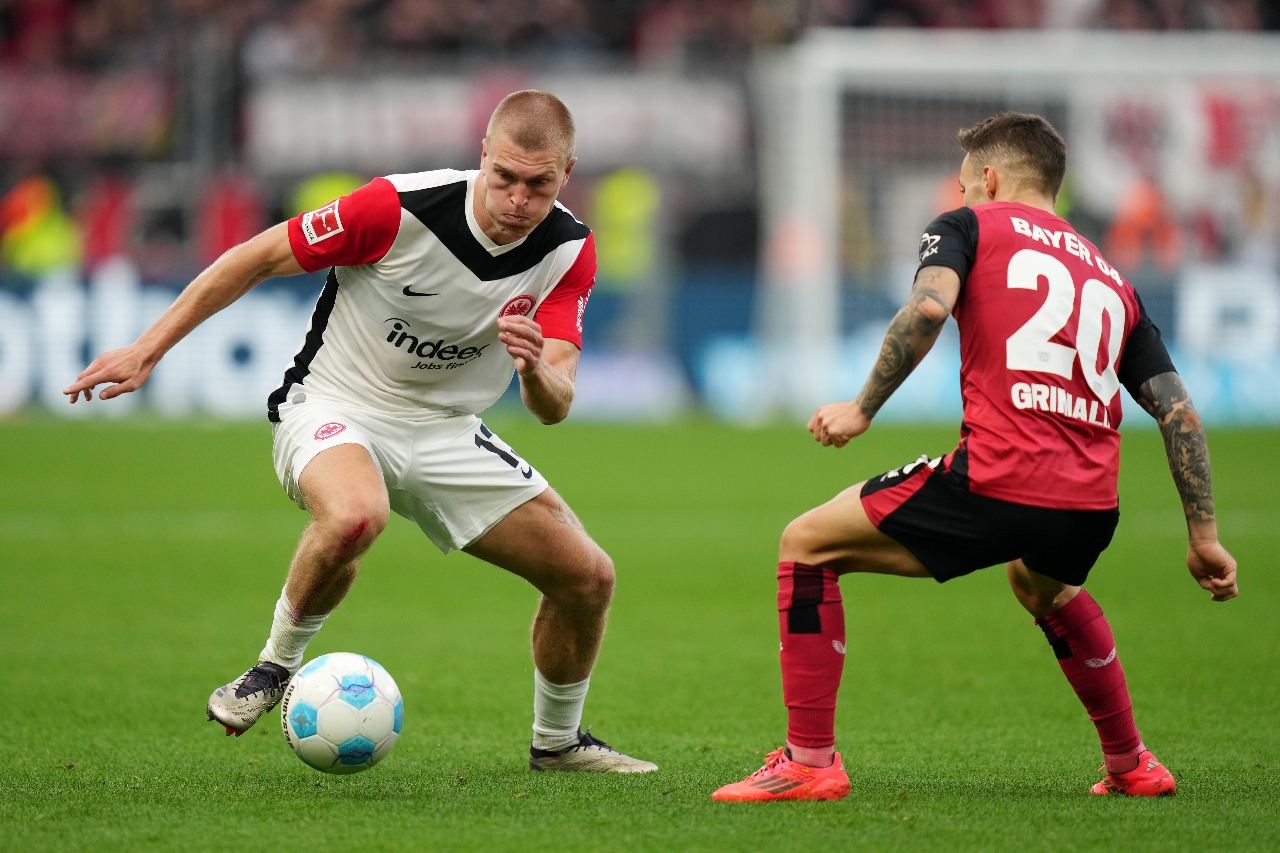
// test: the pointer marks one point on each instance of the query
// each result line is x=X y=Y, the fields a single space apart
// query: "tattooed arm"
x=1165 y=398
x=910 y=336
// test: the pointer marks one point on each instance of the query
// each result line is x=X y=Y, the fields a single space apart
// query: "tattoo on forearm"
x=1166 y=399
x=911 y=333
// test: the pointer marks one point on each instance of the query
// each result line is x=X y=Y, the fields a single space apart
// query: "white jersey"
x=407 y=320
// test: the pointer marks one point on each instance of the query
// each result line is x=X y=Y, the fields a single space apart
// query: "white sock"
x=557 y=712
x=289 y=636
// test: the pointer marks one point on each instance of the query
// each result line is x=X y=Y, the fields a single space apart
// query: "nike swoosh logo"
x=408 y=292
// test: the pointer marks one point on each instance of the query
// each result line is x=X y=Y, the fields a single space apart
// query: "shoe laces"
x=258 y=679
x=771 y=762
x=587 y=739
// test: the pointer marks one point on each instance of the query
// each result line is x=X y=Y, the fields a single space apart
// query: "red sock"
x=811 y=625
x=1086 y=649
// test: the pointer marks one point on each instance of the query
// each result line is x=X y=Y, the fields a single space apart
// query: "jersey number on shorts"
x=504 y=454
x=1031 y=348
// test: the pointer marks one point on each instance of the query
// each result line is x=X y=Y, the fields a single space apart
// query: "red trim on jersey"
x=560 y=314
x=355 y=229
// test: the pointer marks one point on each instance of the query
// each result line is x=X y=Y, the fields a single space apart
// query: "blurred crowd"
x=66 y=58
x=284 y=35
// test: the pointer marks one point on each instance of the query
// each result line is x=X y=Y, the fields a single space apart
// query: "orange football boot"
x=1149 y=779
x=783 y=778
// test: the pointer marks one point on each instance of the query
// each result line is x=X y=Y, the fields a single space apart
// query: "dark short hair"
x=1025 y=144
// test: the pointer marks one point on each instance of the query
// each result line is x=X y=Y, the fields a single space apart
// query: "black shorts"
x=953 y=532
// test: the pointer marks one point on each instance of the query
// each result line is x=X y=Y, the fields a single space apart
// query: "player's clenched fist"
x=523 y=339
x=835 y=423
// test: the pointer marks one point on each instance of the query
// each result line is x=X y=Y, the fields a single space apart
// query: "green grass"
x=141 y=561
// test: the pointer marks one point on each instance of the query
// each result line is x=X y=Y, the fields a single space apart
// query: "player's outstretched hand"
x=836 y=423
x=1213 y=568
x=523 y=339
x=125 y=366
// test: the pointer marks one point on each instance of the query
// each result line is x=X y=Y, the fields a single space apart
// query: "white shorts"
x=449 y=474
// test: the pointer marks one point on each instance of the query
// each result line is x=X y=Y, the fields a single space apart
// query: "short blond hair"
x=536 y=121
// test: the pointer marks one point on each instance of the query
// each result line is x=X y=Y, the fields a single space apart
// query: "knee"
x=593 y=581
x=1040 y=595
x=798 y=541
x=349 y=530
x=1034 y=603
x=602 y=578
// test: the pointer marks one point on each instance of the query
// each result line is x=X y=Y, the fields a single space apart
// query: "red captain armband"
x=351 y=230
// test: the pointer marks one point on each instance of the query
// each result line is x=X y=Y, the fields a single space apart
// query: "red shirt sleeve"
x=355 y=229
x=560 y=314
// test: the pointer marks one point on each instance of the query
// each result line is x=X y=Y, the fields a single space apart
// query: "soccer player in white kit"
x=441 y=284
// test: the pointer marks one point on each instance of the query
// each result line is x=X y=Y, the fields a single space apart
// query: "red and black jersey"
x=1049 y=332
x=407 y=320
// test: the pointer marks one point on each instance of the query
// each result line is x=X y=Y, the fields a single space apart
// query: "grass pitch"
x=142 y=559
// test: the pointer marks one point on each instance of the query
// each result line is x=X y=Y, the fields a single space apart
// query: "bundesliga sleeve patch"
x=322 y=224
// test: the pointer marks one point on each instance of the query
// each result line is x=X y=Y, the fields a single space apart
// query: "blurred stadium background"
x=757 y=173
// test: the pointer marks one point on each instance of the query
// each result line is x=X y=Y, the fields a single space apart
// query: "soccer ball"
x=342 y=713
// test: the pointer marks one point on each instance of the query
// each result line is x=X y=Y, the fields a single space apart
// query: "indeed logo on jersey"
x=438 y=354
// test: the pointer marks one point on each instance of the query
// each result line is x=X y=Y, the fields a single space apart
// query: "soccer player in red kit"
x=1049 y=332
x=441 y=286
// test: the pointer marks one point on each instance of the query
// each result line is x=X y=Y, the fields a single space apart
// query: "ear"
x=991 y=181
x=484 y=149
x=567 y=170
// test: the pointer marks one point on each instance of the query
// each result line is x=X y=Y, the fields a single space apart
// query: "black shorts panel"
x=953 y=532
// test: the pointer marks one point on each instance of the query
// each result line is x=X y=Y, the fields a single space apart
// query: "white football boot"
x=588 y=755
x=238 y=705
